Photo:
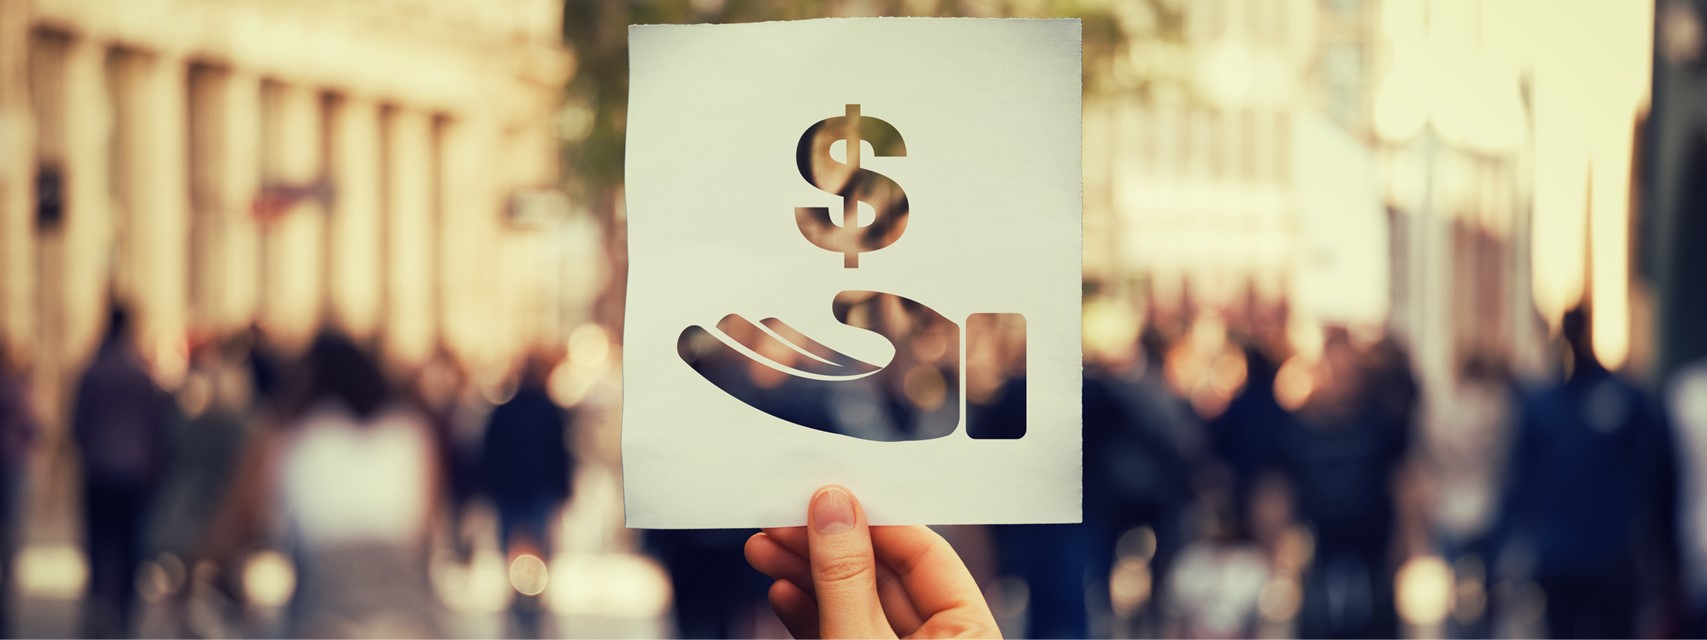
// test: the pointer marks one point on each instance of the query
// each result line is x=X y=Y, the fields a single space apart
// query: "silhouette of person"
x=204 y=452
x=1245 y=436
x=352 y=476
x=119 y=422
x=1341 y=454
x=526 y=462
x=1588 y=469
x=1142 y=442
x=1686 y=411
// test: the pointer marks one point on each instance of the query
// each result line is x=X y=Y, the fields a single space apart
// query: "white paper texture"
x=990 y=114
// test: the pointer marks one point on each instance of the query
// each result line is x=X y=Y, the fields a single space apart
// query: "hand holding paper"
x=838 y=577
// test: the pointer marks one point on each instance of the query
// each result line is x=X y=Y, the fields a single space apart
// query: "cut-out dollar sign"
x=854 y=184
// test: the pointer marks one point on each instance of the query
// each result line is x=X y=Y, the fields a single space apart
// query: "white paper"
x=989 y=111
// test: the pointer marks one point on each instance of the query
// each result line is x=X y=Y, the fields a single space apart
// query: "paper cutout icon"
x=853 y=183
x=925 y=370
x=861 y=270
x=930 y=384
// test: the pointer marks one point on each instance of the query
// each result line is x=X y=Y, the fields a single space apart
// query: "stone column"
x=532 y=267
x=69 y=304
x=225 y=171
x=237 y=180
x=469 y=228
x=48 y=106
x=17 y=183
x=88 y=225
x=356 y=223
x=410 y=235
x=291 y=296
x=153 y=143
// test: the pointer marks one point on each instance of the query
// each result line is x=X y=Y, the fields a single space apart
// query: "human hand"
x=837 y=577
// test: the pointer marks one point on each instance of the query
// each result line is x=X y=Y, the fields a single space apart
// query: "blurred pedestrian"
x=1686 y=407
x=714 y=593
x=1342 y=455
x=1245 y=437
x=1465 y=441
x=1214 y=585
x=18 y=432
x=216 y=399
x=527 y=467
x=1590 y=478
x=438 y=391
x=526 y=462
x=353 y=473
x=1142 y=445
x=266 y=368
x=119 y=421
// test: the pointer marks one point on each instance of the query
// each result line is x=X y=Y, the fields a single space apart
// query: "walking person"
x=119 y=422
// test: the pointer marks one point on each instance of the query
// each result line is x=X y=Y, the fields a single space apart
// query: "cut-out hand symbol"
x=925 y=368
x=915 y=396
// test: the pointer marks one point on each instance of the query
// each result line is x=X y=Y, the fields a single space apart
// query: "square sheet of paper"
x=977 y=122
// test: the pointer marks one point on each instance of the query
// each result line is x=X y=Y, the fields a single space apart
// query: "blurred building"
x=1456 y=171
x=1450 y=125
x=1676 y=193
x=388 y=167
x=1188 y=151
x=1508 y=152
x=1228 y=167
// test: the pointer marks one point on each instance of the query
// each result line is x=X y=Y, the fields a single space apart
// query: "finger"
x=844 y=572
x=797 y=610
x=898 y=606
x=930 y=569
x=792 y=538
x=781 y=563
x=777 y=561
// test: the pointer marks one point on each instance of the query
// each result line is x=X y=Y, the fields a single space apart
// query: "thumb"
x=844 y=573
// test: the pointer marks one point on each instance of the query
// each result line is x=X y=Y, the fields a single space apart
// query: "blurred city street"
x=1394 y=324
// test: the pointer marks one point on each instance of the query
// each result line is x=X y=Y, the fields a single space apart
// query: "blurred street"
x=311 y=318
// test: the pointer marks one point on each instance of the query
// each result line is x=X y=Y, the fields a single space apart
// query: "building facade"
x=1455 y=172
x=374 y=166
x=1187 y=178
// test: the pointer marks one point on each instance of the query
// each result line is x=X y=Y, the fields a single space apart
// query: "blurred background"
x=310 y=316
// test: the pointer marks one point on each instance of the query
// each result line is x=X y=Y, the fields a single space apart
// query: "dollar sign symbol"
x=853 y=184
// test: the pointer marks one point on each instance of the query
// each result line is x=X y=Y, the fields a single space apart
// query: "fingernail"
x=832 y=511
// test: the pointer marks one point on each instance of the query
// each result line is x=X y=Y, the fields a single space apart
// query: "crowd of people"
x=1321 y=497
x=1318 y=498
x=349 y=472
